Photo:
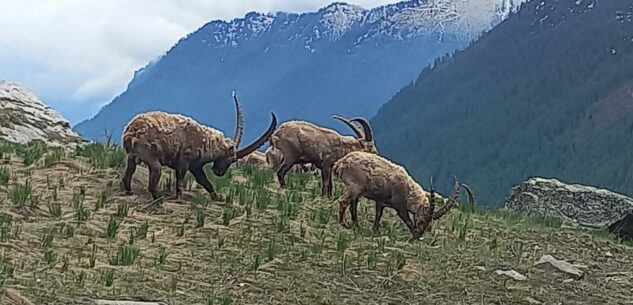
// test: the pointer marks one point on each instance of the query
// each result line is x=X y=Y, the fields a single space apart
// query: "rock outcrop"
x=24 y=117
x=548 y=261
x=585 y=205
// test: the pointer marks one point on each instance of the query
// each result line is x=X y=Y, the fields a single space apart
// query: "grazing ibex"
x=179 y=142
x=274 y=158
x=270 y=159
x=301 y=142
x=389 y=185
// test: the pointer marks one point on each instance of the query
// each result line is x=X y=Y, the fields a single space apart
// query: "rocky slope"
x=339 y=59
x=23 y=118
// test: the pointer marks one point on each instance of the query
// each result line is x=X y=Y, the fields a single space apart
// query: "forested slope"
x=548 y=92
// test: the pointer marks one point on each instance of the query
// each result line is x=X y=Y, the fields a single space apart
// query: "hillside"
x=548 y=92
x=68 y=235
x=340 y=59
x=24 y=118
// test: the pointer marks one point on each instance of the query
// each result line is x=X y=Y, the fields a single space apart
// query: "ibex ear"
x=232 y=150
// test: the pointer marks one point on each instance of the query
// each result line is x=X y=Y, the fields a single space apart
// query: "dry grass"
x=76 y=236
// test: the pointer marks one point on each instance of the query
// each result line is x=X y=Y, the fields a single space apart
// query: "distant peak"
x=342 y=6
x=339 y=17
x=258 y=15
x=400 y=20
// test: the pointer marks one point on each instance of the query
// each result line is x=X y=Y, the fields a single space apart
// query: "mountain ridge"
x=301 y=66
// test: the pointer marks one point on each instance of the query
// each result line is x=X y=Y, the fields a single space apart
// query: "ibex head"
x=222 y=164
x=427 y=214
x=423 y=218
x=365 y=137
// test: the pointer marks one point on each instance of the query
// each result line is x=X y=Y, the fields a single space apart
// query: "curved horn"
x=456 y=188
x=259 y=142
x=451 y=201
x=239 y=127
x=347 y=122
x=471 y=196
x=369 y=134
x=431 y=209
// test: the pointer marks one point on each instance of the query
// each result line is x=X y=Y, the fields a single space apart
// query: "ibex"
x=389 y=185
x=179 y=142
x=270 y=159
x=302 y=142
x=274 y=157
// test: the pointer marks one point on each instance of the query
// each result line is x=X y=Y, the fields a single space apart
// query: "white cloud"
x=78 y=54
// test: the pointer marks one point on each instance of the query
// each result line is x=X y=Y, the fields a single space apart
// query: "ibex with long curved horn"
x=389 y=185
x=301 y=142
x=179 y=142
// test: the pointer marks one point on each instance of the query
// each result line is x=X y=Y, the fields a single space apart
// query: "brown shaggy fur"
x=274 y=157
x=389 y=185
x=270 y=159
x=179 y=142
x=301 y=142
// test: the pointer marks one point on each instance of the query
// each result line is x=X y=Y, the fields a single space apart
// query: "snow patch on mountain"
x=339 y=17
x=259 y=23
x=24 y=117
x=400 y=21
x=461 y=18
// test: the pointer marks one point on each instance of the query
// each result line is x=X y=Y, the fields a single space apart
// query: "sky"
x=77 y=55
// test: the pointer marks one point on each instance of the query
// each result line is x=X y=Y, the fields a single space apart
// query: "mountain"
x=341 y=59
x=548 y=92
x=23 y=118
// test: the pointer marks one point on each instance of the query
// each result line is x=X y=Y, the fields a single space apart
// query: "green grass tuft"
x=113 y=228
x=162 y=255
x=126 y=255
x=102 y=156
x=22 y=195
x=53 y=156
x=122 y=210
x=200 y=217
x=31 y=152
x=107 y=278
x=227 y=215
x=47 y=239
x=55 y=210
x=6 y=225
x=5 y=175
x=81 y=213
x=50 y=257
